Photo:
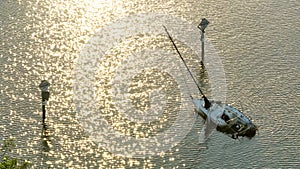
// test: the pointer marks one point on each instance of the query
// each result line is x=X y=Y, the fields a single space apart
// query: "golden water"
x=256 y=41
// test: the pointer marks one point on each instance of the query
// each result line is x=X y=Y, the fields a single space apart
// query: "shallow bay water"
x=257 y=43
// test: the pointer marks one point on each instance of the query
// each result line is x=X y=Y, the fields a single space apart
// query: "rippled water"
x=256 y=41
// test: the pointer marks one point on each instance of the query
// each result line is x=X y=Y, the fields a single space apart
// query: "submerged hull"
x=225 y=118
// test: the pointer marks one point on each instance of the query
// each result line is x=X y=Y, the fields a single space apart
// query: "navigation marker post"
x=203 y=24
x=45 y=96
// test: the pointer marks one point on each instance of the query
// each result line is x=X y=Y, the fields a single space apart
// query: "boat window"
x=225 y=117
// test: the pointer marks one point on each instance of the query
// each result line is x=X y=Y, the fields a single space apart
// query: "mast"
x=205 y=99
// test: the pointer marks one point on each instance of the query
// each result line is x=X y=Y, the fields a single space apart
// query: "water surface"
x=256 y=41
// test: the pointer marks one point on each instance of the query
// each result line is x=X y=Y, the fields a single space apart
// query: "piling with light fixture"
x=45 y=96
x=203 y=24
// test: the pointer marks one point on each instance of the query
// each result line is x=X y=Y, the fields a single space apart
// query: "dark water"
x=256 y=42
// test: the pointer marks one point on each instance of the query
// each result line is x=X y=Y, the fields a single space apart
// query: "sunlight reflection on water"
x=42 y=40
